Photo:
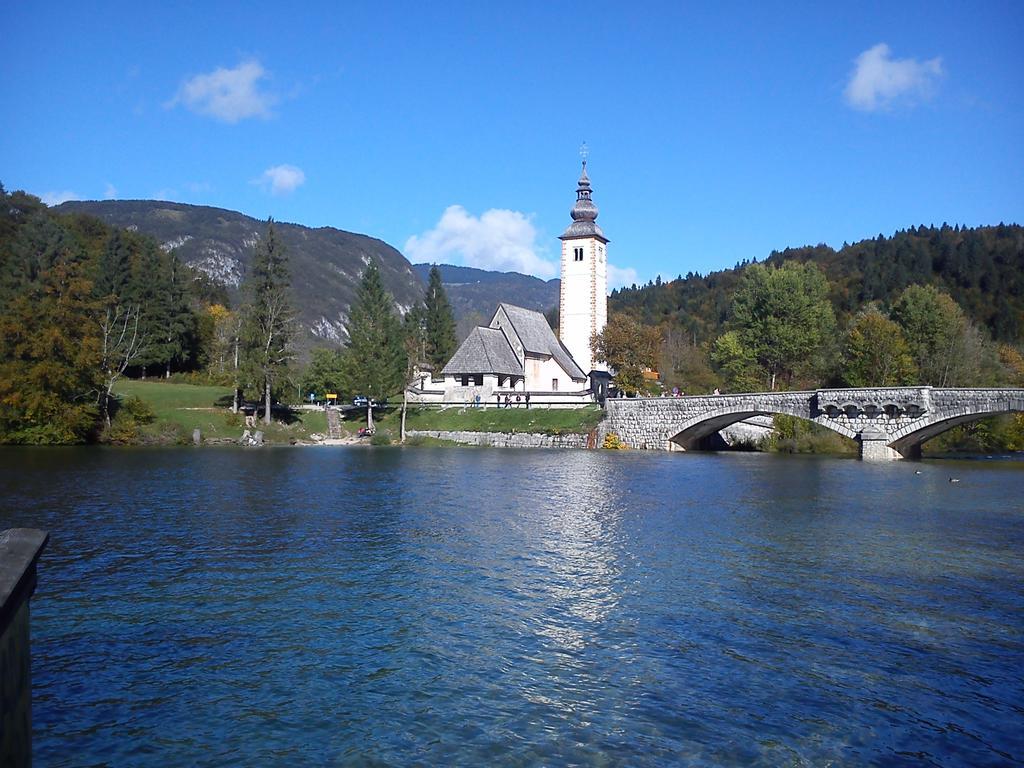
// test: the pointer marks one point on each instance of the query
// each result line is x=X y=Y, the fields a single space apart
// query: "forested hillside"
x=326 y=263
x=982 y=269
x=81 y=305
x=476 y=293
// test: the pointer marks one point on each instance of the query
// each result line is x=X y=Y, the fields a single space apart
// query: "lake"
x=420 y=606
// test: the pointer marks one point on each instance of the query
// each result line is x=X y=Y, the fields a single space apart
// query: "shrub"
x=137 y=409
x=613 y=442
x=380 y=438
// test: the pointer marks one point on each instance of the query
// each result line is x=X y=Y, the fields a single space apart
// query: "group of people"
x=677 y=392
x=507 y=402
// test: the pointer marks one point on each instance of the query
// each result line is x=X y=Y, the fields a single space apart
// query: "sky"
x=716 y=132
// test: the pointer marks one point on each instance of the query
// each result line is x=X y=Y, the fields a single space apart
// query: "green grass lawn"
x=181 y=408
x=545 y=420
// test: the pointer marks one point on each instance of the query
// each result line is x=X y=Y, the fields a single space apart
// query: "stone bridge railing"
x=888 y=423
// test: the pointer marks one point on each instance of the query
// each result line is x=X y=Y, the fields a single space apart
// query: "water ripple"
x=473 y=607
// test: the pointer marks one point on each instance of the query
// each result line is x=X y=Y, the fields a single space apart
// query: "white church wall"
x=545 y=375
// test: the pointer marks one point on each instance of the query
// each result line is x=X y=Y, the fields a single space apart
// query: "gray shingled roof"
x=538 y=338
x=485 y=350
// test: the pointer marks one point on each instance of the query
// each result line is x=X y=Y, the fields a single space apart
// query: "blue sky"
x=452 y=130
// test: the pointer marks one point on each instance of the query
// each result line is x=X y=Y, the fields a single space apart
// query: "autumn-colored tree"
x=630 y=349
x=50 y=358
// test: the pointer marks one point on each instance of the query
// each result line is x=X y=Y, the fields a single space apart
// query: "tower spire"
x=584 y=212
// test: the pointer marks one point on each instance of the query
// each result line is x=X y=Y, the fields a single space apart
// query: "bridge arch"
x=907 y=440
x=689 y=432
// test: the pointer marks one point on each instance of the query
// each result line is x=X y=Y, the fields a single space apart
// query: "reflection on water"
x=484 y=607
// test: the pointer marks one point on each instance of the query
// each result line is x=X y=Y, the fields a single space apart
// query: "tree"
x=783 y=317
x=324 y=373
x=684 y=364
x=933 y=325
x=268 y=325
x=439 y=322
x=219 y=346
x=875 y=353
x=115 y=269
x=629 y=348
x=123 y=341
x=179 y=323
x=49 y=357
x=737 y=364
x=375 y=359
x=414 y=331
x=146 y=289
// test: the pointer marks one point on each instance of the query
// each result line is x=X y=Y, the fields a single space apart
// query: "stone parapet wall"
x=507 y=439
x=978 y=399
x=887 y=421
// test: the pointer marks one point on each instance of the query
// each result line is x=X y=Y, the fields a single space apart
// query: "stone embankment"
x=509 y=439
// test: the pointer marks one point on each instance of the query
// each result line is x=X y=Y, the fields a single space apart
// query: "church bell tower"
x=583 y=303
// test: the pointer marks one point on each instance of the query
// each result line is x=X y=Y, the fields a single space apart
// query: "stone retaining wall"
x=507 y=439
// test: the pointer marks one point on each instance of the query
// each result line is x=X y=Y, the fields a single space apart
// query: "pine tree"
x=146 y=290
x=115 y=270
x=375 y=359
x=269 y=324
x=440 y=322
x=179 y=321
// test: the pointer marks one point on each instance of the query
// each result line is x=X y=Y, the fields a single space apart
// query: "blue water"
x=483 y=607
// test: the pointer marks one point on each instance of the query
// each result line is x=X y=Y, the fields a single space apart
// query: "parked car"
x=361 y=401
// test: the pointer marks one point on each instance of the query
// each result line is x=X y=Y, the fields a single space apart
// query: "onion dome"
x=584 y=213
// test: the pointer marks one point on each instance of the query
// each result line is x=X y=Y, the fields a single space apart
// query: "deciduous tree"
x=629 y=348
x=736 y=363
x=324 y=373
x=783 y=317
x=875 y=354
x=933 y=325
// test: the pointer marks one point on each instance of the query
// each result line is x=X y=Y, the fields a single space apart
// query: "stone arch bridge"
x=888 y=423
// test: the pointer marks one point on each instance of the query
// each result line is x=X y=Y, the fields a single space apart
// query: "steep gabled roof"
x=485 y=350
x=537 y=337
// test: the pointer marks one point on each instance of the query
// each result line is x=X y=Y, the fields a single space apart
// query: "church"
x=517 y=354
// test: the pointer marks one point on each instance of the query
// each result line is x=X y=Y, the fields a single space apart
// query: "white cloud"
x=281 y=179
x=619 y=277
x=878 y=80
x=228 y=95
x=110 y=192
x=498 y=239
x=56 y=198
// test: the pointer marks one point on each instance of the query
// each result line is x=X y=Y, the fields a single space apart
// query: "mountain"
x=476 y=293
x=326 y=263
